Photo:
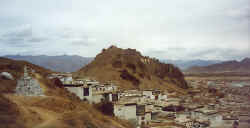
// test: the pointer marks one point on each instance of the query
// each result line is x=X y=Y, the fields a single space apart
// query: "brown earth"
x=52 y=112
x=57 y=109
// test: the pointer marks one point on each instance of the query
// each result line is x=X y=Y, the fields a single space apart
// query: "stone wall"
x=77 y=91
x=28 y=87
x=96 y=98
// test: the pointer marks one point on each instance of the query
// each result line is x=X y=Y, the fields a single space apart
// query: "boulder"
x=6 y=75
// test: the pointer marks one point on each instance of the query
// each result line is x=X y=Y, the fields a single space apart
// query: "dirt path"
x=47 y=116
x=42 y=117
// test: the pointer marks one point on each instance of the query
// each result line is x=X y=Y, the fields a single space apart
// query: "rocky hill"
x=224 y=67
x=130 y=70
x=64 y=63
x=58 y=108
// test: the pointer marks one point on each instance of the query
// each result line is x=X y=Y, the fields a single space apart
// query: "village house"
x=131 y=93
x=133 y=112
x=148 y=94
x=79 y=81
x=81 y=91
x=154 y=95
x=143 y=116
x=65 y=78
x=93 y=91
x=111 y=97
x=126 y=111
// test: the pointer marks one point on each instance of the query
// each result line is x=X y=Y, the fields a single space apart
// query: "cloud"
x=209 y=53
x=37 y=39
x=163 y=29
x=21 y=37
x=80 y=42
x=241 y=13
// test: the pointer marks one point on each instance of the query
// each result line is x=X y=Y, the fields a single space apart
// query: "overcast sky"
x=166 y=29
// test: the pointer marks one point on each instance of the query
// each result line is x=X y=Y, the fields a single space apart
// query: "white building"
x=148 y=94
x=93 y=91
x=154 y=95
x=81 y=91
x=125 y=111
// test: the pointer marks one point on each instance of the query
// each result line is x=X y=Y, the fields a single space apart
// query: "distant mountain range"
x=185 y=64
x=223 y=67
x=63 y=63
x=72 y=63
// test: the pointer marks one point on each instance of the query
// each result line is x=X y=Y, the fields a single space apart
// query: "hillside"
x=130 y=70
x=16 y=69
x=223 y=67
x=64 y=63
x=57 y=109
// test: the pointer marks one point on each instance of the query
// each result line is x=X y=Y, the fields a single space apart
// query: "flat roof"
x=72 y=85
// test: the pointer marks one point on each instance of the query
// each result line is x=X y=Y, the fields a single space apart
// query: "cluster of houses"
x=136 y=106
x=151 y=107
x=87 y=89
x=227 y=110
x=154 y=108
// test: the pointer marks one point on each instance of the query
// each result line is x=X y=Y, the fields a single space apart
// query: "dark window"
x=106 y=96
x=114 y=97
x=143 y=118
x=156 y=97
x=85 y=91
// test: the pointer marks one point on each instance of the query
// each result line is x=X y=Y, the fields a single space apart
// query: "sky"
x=165 y=29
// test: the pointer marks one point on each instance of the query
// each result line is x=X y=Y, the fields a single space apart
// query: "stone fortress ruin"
x=27 y=85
